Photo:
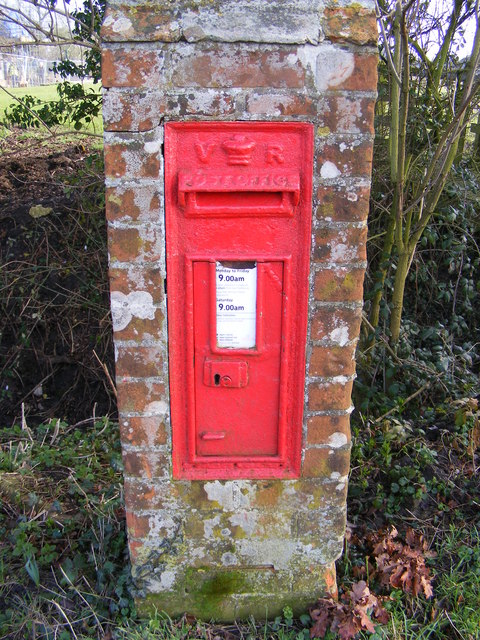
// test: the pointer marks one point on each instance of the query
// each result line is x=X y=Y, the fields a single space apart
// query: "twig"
x=79 y=593
x=55 y=432
x=410 y=397
x=383 y=339
x=107 y=373
x=25 y=427
x=457 y=630
x=49 y=375
x=65 y=616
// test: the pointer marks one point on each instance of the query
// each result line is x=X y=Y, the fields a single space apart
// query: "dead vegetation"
x=54 y=319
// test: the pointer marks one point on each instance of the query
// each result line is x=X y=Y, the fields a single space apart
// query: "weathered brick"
x=136 y=277
x=332 y=361
x=321 y=575
x=336 y=324
x=320 y=527
x=139 y=204
x=139 y=395
x=145 y=464
x=345 y=158
x=339 y=68
x=140 y=329
x=146 y=494
x=315 y=494
x=126 y=110
x=294 y=495
x=354 y=24
x=348 y=114
x=338 y=285
x=339 y=245
x=238 y=66
x=126 y=22
x=132 y=160
x=136 y=550
x=364 y=74
x=135 y=244
x=193 y=495
x=328 y=429
x=143 y=431
x=239 y=21
x=269 y=493
x=151 y=527
x=138 y=526
x=328 y=396
x=237 y=525
x=275 y=105
x=137 y=67
x=321 y=463
x=206 y=103
x=340 y=203
x=139 y=362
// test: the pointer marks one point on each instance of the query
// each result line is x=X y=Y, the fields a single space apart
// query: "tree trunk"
x=397 y=296
x=381 y=273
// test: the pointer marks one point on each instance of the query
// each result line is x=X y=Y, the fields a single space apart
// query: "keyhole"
x=216 y=379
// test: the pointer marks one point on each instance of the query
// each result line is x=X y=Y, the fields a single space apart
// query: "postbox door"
x=237 y=389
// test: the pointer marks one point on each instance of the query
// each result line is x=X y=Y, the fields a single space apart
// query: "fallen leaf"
x=38 y=211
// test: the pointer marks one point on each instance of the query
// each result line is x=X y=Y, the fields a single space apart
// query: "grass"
x=48 y=93
x=64 y=570
x=45 y=92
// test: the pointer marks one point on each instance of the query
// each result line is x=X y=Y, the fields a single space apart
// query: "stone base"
x=239 y=593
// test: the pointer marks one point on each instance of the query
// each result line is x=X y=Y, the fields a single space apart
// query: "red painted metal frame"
x=238 y=155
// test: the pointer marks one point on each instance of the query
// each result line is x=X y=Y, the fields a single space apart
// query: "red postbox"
x=238 y=218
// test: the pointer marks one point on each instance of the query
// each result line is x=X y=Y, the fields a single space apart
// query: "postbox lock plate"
x=225 y=373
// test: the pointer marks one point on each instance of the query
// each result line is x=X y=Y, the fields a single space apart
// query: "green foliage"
x=75 y=107
x=440 y=336
x=162 y=627
x=62 y=527
x=423 y=471
x=399 y=466
x=87 y=22
x=427 y=98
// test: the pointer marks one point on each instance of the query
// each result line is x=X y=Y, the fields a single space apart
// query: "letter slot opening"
x=261 y=193
x=236 y=201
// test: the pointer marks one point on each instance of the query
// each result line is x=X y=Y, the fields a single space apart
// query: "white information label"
x=236 y=302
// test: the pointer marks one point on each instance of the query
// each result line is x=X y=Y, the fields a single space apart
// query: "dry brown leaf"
x=402 y=566
x=353 y=614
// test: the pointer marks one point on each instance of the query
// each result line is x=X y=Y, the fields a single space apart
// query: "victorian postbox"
x=238 y=217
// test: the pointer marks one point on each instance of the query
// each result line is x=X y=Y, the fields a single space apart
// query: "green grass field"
x=45 y=93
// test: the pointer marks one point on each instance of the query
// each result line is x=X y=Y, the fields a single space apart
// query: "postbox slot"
x=239 y=195
x=236 y=199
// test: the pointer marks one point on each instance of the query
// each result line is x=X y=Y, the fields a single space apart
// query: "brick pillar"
x=226 y=549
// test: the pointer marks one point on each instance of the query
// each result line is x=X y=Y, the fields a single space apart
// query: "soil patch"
x=55 y=329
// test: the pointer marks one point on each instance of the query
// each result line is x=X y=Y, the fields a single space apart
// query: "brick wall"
x=227 y=549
